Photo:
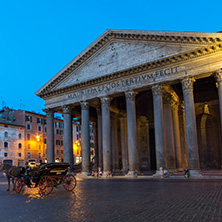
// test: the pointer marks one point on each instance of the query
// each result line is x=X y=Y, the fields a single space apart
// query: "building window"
x=19 y=154
x=61 y=125
x=6 y=134
x=28 y=119
x=19 y=145
x=77 y=129
x=91 y=130
x=40 y=155
x=77 y=136
x=57 y=152
x=45 y=140
x=40 y=147
x=28 y=127
x=57 y=132
x=20 y=136
x=39 y=120
x=61 y=151
x=28 y=136
x=45 y=129
x=58 y=142
x=28 y=155
x=57 y=124
x=61 y=142
x=29 y=146
x=44 y=121
x=39 y=128
x=61 y=132
x=5 y=154
x=5 y=144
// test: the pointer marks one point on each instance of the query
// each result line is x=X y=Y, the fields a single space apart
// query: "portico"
x=147 y=91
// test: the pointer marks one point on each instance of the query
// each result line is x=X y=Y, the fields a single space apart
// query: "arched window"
x=19 y=145
x=6 y=134
x=5 y=145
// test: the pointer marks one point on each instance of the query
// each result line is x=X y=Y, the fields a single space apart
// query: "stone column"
x=159 y=130
x=191 y=129
x=100 y=145
x=131 y=131
x=218 y=76
x=168 y=130
x=115 y=147
x=176 y=129
x=95 y=134
x=50 y=135
x=105 y=101
x=183 y=140
x=68 y=143
x=123 y=145
x=85 y=138
x=143 y=143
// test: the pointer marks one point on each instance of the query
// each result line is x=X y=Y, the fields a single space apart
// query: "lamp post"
x=38 y=138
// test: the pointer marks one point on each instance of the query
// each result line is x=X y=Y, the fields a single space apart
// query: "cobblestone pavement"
x=117 y=200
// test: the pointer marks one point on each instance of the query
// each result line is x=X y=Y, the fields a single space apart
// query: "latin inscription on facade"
x=126 y=82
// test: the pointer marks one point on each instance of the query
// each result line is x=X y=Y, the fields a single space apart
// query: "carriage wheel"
x=18 y=185
x=69 y=182
x=46 y=185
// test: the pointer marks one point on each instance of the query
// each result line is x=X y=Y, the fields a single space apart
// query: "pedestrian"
x=187 y=173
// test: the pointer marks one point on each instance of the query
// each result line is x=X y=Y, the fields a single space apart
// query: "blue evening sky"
x=38 y=38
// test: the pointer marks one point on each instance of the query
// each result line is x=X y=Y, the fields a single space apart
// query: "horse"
x=11 y=172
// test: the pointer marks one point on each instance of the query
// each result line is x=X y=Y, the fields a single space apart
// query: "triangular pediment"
x=119 y=56
x=116 y=51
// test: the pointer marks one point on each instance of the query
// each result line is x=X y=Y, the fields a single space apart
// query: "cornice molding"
x=214 y=45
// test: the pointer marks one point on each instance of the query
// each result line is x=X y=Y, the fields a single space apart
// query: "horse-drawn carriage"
x=46 y=177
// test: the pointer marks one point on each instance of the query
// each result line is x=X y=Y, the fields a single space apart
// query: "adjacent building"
x=23 y=137
x=12 y=145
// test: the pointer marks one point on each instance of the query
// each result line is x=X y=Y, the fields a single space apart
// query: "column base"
x=180 y=169
x=84 y=174
x=107 y=174
x=159 y=173
x=131 y=173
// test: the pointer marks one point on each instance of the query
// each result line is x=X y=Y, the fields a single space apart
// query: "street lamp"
x=38 y=138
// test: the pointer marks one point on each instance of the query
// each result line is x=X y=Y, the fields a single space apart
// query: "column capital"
x=84 y=105
x=114 y=115
x=66 y=109
x=105 y=101
x=167 y=98
x=218 y=75
x=157 y=90
x=187 y=83
x=49 y=111
x=131 y=95
x=98 y=110
x=174 y=105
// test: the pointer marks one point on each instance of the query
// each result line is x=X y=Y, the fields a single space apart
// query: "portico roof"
x=194 y=44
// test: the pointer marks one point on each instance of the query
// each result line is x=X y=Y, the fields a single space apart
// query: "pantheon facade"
x=154 y=97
